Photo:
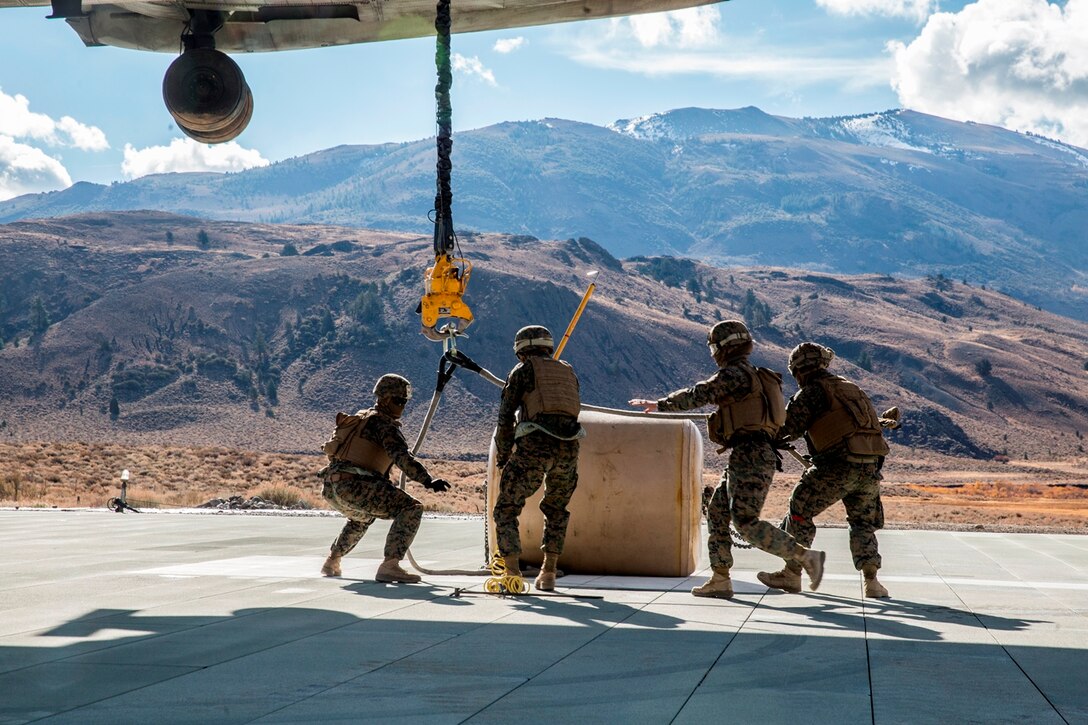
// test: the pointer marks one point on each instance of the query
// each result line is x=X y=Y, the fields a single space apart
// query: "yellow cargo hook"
x=443 y=287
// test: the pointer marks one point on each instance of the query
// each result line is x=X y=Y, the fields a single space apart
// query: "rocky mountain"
x=897 y=192
x=153 y=328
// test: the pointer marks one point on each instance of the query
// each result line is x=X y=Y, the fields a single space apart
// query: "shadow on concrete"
x=306 y=664
x=898 y=619
x=580 y=609
x=421 y=592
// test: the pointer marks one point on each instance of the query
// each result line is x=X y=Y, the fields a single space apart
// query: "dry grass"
x=89 y=474
x=958 y=504
x=288 y=497
x=932 y=493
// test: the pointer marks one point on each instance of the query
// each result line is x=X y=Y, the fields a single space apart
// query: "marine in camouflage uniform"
x=358 y=484
x=541 y=448
x=743 y=423
x=847 y=448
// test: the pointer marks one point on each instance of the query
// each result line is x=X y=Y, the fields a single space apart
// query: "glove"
x=439 y=485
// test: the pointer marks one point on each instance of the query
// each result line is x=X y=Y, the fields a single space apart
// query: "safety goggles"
x=731 y=341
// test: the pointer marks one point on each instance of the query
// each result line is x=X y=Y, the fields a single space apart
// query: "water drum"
x=637 y=509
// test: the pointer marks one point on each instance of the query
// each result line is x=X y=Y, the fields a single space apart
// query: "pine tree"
x=39 y=318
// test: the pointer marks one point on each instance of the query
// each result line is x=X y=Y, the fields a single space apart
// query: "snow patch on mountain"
x=883 y=131
x=1078 y=156
x=653 y=127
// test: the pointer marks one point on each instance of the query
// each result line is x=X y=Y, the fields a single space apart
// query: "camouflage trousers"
x=362 y=499
x=857 y=485
x=538 y=458
x=739 y=498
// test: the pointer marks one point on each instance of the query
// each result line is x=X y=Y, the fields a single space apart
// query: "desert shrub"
x=803 y=203
x=984 y=367
x=136 y=382
x=286 y=496
x=10 y=486
x=13 y=487
x=670 y=271
x=214 y=366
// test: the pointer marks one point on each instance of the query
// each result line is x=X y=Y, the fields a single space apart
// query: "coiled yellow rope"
x=502 y=581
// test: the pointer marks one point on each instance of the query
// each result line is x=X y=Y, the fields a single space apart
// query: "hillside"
x=242 y=344
x=897 y=192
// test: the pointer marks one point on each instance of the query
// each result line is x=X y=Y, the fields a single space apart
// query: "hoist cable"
x=444 y=240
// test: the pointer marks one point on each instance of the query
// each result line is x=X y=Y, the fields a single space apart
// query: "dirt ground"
x=918 y=492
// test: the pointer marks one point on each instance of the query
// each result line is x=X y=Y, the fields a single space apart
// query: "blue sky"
x=70 y=113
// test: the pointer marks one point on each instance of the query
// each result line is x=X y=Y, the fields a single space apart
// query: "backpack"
x=348 y=428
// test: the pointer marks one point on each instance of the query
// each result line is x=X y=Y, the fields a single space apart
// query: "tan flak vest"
x=763 y=410
x=348 y=443
x=851 y=417
x=556 y=389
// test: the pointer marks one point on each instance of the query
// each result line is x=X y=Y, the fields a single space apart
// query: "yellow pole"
x=574 y=320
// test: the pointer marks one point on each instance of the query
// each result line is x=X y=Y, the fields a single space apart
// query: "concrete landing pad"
x=163 y=618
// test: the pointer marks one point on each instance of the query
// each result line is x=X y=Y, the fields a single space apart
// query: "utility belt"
x=755 y=436
x=851 y=458
x=526 y=427
x=339 y=471
x=752 y=436
x=841 y=453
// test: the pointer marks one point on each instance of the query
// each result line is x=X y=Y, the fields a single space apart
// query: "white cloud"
x=689 y=28
x=916 y=9
x=509 y=45
x=189 y=155
x=473 y=67
x=690 y=42
x=18 y=121
x=782 y=69
x=83 y=137
x=1021 y=64
x=25 y=170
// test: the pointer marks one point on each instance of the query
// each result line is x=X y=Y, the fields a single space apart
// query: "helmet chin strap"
x=801 y=376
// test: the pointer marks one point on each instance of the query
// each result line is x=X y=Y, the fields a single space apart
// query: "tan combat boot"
x=718 y=585
x=813 y=564
x=391 y=573
x=873 y=588
x=787 y=580
x=331 y=567
x=545 y=580
x=513 y=564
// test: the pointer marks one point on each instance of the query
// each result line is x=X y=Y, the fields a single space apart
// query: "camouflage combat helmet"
x=533 y=336
x=810 y=356
x=393 y=386
x=725 y=336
